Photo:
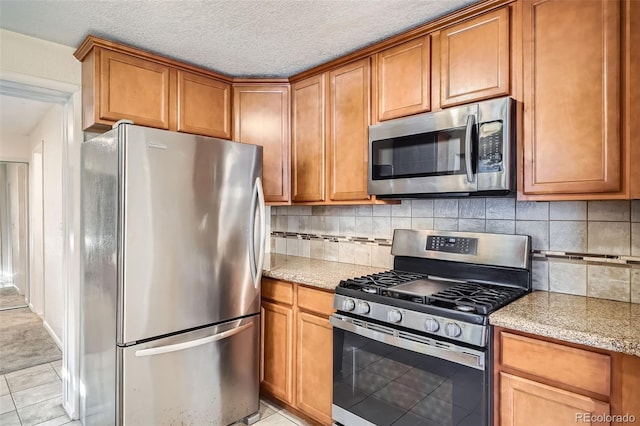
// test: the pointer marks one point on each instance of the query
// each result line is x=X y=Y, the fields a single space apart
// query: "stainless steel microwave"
x=464 y=150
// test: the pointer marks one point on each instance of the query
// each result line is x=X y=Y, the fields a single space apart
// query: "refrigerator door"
x=193 y=232
x=208 y=376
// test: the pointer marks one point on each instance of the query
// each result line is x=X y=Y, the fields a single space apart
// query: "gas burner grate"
x=482 y=298
x=376 y=283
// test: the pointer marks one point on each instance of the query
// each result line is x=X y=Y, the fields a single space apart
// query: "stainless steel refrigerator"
x=173 y=234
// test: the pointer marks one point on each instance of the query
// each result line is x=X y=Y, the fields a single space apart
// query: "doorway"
x=55 y=259
x=14 y=255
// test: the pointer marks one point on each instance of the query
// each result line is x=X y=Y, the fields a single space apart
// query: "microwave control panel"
x=490 y=143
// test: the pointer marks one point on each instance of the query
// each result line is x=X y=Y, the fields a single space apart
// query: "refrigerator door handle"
x=191 y=343
x=256 y=265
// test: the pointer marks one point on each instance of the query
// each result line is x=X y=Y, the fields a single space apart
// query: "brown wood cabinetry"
x=204 y=105
x=348 y=137
x=329 y=143
x=261 y=117
x=122 y=82
x=526 y=402
x=277 y=340
x=545 y=381
x=578 y=99
x=125 y=87
x=310 y=372
x=474 y=59
x=308 y=139
x=403 y=75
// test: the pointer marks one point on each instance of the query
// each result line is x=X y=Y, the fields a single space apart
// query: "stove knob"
x=363 y=308
x=394 y=316
x=348 y=305
x=452 y=330
x=431 y=325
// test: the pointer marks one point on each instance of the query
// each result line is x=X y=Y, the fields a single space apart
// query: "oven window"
x=426 y=154
x=386 y=385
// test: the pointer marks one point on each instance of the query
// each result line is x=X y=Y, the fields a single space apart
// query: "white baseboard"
x=40 y=314
x=53 y=335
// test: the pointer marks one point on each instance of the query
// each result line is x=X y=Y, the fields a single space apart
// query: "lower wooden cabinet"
x=541 y=381
x=314 y=370
x=297 y=348
x=277 y=353
x=527 y=402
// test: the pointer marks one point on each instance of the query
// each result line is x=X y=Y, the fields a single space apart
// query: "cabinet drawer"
x=314 y=300
x=277 y=291
x=577 y=368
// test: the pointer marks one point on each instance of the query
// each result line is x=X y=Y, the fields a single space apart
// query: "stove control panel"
x=458 y=245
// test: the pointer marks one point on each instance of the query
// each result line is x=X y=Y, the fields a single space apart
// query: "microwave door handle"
x=468 y=148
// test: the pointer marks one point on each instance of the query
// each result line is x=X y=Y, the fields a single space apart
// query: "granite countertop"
x=598 y=323
x=314 y=272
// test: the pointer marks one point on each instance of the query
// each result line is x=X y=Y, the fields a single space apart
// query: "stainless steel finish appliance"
x=173 y=233
x=463 y=150
x=413 y=345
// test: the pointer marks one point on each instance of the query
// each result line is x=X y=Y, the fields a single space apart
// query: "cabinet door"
x=474 y=59
x=133 y=89
x=261 y=117
x=277 y=351
x=524 y=402
x=204 y=105
x=572 y=135
x=314 y=366
x=403 y=79
x=308 y=139
x=347 y=149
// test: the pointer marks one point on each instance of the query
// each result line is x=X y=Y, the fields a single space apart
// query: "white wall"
x=36 y=62
x=6 y=267
x=14 y=147
x=17 y=185
x=36 y=252
x=21 y=56
x=49 y=132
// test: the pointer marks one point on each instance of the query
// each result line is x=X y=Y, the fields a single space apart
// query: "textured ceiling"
x=253 y=38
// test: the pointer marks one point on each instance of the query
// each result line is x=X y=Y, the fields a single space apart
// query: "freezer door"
x=193 y=232
x=209 y=376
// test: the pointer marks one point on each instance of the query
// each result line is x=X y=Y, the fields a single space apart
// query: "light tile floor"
x=272 y=414
x=32 y=397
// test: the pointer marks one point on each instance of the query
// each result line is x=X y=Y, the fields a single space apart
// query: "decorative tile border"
x=332 y=238
x=539 y=255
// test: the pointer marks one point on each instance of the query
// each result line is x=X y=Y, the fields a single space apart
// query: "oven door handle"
x=443 y=350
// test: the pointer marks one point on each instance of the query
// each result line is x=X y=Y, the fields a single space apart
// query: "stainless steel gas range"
x=412 y=346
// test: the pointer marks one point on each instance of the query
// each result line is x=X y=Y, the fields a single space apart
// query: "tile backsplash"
x=586 y=248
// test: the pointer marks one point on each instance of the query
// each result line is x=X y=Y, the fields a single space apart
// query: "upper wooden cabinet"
x=474 y=59
x=575 y=101
x=261 y=117
x=308 y=139
x=403 y=79
x=122 y=82
x=348 y=121
x=124 y=87
x=204 y=105
x=329 y=145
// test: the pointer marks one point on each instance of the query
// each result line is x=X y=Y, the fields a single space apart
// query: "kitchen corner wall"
x=585 y=248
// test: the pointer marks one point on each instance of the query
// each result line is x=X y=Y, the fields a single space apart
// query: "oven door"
x=385 y=376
